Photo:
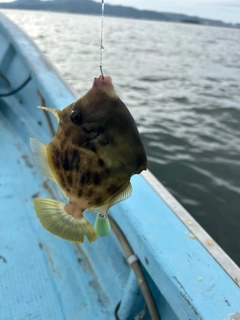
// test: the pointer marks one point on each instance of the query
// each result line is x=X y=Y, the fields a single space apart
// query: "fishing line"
x=101 y=44
x=142 y=282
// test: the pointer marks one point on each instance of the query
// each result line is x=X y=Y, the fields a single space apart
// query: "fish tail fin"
x=54 y=218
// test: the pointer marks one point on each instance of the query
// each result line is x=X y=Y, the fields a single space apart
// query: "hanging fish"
x=94 y=153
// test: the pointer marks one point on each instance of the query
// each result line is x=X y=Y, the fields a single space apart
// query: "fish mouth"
x=105 y=85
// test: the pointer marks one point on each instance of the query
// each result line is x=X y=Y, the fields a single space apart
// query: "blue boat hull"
x=45 y=277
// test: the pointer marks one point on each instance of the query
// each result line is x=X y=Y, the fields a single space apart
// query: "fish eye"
x=76 y=117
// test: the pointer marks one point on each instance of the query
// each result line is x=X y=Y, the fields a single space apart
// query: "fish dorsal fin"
x=121 y=195
x=54 y=218
x=40 y=159
x=55 y=112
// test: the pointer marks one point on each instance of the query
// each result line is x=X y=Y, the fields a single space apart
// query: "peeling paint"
x=51 y=262
x=3 y=259
x=211 y=287
x=35 y=195
x=27 y=161
x=187 y=298
x=94 y=282
x=176 y=279
x=227 y=302
x=48 y=188
x=192 y=307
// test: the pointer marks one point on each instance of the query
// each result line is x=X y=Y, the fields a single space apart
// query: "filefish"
x=91 y=158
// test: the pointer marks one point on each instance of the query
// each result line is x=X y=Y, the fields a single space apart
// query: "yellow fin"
x=55 y=112
x=40 y=159
x=121 y=195
x=53 y=217
x=61 y=194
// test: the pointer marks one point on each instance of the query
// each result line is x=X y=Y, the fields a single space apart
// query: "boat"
x=156 y=263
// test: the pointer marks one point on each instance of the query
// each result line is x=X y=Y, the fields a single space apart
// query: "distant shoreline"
x=93 y=8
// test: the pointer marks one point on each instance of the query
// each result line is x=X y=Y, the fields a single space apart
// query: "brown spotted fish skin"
x=97 y=148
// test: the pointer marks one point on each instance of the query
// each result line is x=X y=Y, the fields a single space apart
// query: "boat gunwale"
x=220 y=256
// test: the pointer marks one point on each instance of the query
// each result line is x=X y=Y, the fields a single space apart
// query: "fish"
x=92 y=157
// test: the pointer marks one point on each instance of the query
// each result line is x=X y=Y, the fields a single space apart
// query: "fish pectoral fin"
x=121 y=195
x=40 y=159
x=41 y=163
x=55 y=112
x=54 y=218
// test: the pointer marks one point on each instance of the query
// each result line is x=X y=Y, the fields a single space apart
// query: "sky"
x=225 y=10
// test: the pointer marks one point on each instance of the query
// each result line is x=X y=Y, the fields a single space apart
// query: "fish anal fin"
x=121 y=195
x=54 y=218
x=55 y=112
x=40 y=158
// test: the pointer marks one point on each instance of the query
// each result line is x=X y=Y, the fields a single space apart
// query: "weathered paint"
x=174 y=260
x=132 y=302
x=45 y=277
x=42 y=276
x=195 y=230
